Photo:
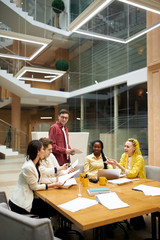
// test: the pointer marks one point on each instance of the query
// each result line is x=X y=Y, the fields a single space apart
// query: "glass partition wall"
x=112 y=115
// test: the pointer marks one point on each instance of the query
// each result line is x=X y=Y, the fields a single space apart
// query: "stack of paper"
x=110 y=200
x=148 y=190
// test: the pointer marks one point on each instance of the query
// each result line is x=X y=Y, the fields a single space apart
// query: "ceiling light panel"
x=31 y=44
x=108 y=20
x=148 y=5
x=39 y=75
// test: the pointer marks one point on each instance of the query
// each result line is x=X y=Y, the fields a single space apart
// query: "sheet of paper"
x=72 y=166
x=148 y=190
x=78 y=204
x=71 y=181
x=65 y=177
x=120 y=181
x=110 y=200
x=77 y=151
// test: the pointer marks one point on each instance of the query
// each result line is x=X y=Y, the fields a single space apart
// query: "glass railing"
x=42 y=11
x=12 y=137
x=61 y=84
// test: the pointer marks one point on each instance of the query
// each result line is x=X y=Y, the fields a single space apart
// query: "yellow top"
x=92 y=164
x=137 y=165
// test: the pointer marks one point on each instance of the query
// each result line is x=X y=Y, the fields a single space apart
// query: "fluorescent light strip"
x=45 y=117
x=21 y=39
x=38 y=71
x=24 y=40
x=142 y=32
x=100 y=36
x=21 y=57
x=105 y=4
x=37 y=79
x=37 y=52
x=49 y=76
x=140 y=6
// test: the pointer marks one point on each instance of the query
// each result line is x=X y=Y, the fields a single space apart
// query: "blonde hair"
x=136 y=145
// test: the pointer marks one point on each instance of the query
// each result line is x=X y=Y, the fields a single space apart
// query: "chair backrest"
x=152 y=172
x=17 y=226
x=3 y=197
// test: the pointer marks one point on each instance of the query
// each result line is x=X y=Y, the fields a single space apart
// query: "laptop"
x=109 y=173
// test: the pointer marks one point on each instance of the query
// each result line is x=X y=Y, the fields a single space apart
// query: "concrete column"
x=16 y=121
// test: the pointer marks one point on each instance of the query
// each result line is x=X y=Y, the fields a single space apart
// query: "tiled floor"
x=9 y=170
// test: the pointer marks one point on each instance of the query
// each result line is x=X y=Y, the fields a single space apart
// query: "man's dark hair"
x=45 y=141
x=62 y=111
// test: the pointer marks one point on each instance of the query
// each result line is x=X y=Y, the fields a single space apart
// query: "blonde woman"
x=131 y=162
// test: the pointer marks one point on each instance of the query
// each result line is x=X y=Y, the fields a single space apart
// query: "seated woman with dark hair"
x=22 y=199
x=96 y=160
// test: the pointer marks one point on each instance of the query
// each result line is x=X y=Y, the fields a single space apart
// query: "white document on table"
x=110 y=200
x=120 y=181
x=78 y=204
x=65 y=177
x=148 y=190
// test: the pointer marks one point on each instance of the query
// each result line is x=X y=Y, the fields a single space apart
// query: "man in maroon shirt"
x=59 y=134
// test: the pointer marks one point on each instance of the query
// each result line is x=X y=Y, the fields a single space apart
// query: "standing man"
x=59 y=134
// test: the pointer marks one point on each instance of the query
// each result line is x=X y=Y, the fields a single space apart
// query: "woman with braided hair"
x=131 y=163
x=96 y=160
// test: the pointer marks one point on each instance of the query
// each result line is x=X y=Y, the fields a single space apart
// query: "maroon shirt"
x=59 y=143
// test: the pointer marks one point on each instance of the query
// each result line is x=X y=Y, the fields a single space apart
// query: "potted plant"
x=62 y=65
x=58 y=7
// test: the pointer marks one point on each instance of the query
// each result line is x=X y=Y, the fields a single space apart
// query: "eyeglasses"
x=64 y=117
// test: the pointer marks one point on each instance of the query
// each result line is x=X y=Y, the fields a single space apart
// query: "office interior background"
x=109 y=81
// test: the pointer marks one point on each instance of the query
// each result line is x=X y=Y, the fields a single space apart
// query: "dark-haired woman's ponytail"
x=104 y=159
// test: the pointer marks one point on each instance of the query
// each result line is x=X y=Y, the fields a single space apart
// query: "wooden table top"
x=98 y=215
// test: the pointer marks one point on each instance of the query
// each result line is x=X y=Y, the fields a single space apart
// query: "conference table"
x=97 y=216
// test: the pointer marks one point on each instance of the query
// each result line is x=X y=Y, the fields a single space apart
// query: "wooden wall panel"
x=153 y=65
x=154 y=117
